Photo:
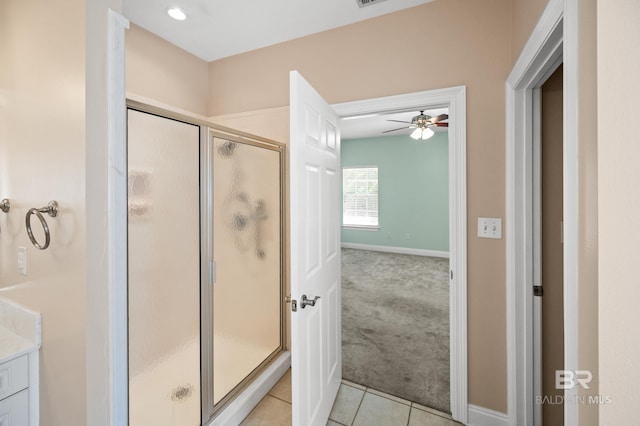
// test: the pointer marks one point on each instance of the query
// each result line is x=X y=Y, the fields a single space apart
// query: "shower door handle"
x=304 y=302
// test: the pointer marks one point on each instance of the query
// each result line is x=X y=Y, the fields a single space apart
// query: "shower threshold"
x=247 y=399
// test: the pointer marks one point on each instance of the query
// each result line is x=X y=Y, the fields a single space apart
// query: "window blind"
x=360 y=196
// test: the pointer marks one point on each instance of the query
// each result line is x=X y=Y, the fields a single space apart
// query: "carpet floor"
x=395 y=325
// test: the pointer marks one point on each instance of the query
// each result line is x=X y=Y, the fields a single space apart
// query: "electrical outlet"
x=490 y=227
x=22 y=260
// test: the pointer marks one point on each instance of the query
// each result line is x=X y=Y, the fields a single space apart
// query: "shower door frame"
x=207 y=267
x=208 y=131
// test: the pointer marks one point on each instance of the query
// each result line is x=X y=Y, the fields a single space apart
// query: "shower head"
x=226 y=149
x=260 y=212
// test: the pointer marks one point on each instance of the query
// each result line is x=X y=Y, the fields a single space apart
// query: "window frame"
x=362 y=227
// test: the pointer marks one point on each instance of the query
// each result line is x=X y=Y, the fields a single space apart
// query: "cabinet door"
x=14 y=411
x=14 y=376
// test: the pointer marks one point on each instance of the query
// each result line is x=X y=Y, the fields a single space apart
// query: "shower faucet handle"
x=308 y=302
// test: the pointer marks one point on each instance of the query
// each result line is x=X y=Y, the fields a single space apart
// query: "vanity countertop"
x=20 y=330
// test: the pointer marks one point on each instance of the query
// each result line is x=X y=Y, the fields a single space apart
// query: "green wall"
x=413 y=193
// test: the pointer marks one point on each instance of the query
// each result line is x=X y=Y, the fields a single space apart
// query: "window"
x=360 y=197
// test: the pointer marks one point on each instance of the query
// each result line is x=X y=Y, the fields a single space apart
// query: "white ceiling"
x=217 y=29
x=372 y=127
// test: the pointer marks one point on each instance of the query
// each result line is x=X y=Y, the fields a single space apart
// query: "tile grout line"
x=359 y=405
x=411 y=406
x=389 y=399
x=432 y=411
x=380 y=394
x=279 y=399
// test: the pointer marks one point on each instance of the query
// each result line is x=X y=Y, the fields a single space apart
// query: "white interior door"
x=316 y=347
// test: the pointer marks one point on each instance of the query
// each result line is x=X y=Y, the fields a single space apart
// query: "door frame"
x=453 y=98
x=554 y=40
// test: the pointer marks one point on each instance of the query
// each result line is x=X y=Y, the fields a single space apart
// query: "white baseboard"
x=253 y=394
x=400 y=250
x=480 y=416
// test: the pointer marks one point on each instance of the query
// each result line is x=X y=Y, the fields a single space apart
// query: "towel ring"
x=5 y=205
x=52 y=210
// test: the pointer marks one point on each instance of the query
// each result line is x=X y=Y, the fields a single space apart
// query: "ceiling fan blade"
x=441 y=124
x=399 y=121
x=438 y=118
x=395 y=130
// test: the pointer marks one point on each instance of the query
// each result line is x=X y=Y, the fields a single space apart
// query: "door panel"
x=315 y=255
x=312 y=215
x=334 y=343
x=333 y=224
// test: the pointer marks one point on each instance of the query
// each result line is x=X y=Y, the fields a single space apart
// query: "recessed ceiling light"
x=177 y=13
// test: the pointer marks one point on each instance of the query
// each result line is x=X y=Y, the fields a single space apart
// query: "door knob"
x=308 y=302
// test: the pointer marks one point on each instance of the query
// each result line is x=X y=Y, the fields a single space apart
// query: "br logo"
x=567 y=379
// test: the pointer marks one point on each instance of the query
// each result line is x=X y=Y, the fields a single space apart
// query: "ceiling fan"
x=422 y=124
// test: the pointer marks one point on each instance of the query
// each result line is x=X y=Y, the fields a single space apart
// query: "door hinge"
x=537 y=290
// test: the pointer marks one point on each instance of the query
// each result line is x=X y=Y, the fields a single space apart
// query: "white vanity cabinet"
x=14 y=410
x=14 y=393
x=20 y=340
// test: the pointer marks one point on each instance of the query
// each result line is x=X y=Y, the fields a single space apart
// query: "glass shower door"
x=247 y=296
x=164 y=271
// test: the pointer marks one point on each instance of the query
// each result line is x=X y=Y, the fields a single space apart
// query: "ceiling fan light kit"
x=423 y=133
x=422 y=125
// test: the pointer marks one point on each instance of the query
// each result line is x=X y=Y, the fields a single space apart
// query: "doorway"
x=395 y=249
x=554 y=41
x=548 y=252
x=455 y=100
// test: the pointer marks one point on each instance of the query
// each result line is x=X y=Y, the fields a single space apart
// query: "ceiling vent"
x=363 y=3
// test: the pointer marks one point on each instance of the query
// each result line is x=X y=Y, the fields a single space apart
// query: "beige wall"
x=271 y=123
x=524 y=17
x=162 y=72
x=588 y=207
x=618 y=208
x=468 y=45
x=42 y=150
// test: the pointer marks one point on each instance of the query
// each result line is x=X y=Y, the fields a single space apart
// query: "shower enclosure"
x=205 y=266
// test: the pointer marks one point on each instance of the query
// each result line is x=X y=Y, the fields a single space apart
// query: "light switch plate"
x=22 y=260
x=490 y=227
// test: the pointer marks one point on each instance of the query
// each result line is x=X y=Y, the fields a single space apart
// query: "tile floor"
x=355 y=405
